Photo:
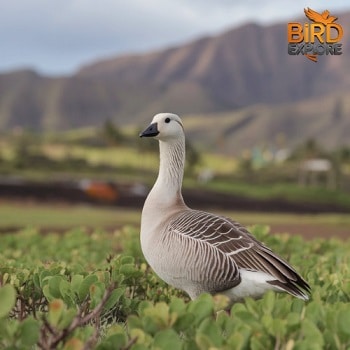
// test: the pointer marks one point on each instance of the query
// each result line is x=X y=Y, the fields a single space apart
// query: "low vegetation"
x=95 y=291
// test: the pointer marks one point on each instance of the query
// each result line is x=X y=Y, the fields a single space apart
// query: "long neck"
x=167 y=188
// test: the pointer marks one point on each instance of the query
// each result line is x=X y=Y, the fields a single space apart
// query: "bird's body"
x=197 y=251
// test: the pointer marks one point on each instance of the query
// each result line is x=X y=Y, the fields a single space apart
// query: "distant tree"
x=22 y=152
x=111 y=133
x=341 y=157
x=193 y=157
x=309 y=149
x=344 y=154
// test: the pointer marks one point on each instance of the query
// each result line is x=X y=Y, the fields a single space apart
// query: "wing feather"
x=231 y=247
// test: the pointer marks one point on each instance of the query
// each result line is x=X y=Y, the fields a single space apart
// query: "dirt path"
x=311 y=231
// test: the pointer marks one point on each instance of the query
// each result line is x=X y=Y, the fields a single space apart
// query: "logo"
x=319 y=37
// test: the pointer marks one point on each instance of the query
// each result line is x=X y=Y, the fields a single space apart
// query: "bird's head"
x=164 y=127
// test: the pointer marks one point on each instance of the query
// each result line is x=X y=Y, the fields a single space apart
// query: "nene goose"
x=200 y=252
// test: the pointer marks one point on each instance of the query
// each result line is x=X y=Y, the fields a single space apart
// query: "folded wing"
x=229 y=246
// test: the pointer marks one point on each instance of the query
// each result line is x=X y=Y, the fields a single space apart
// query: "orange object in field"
x=102 y=191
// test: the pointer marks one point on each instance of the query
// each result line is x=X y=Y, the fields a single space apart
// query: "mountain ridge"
x=240 y=68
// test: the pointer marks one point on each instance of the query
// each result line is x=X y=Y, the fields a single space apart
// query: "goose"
x=199 y=252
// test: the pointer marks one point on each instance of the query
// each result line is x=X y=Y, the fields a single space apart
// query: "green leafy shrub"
x=85 y=291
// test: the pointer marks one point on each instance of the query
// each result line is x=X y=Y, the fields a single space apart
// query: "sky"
x=57 y=37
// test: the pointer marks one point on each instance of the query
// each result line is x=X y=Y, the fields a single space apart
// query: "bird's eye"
x=167 y=120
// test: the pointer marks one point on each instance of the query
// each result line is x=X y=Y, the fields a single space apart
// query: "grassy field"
x=60 y=217
x=63 y=216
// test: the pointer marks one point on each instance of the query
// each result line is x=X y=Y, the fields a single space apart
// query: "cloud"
x=58 y=36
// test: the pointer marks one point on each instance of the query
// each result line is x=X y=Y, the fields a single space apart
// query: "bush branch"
x=50 y=338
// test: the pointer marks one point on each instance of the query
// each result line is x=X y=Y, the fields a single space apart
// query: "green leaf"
x=252 y=306
x=56 y=309
x=127 y=260
x=177 y=305
x=312 y=333
x=156 y=317
x=46 y=292
x=66 y=318
x=238 y=307
x=268 y=302
x=293 y=319
x=114 y=298
x=43 y=278
x=344 y=322
x=127 y=269
x=76 y=282
x=298 y=305
x=141 y=337
x=140 y=347
x=116 y=341
x=332 y=321
x=261 y=342
x=54 y=286
x=7 y=299
x=151 y=324
x=184 y=322
x=279 y=328
x=116 y=337
x=134 y=322
x=236 y=341
x=210 y=329
x=246 y=317
x=201 y=307
x=221 y=302
x=64 y=288
x=85 y=286
x=167 y=339
x=314 y=311
x=203 y=342
x=36 y=280
x=96 y=291
x=74 y=344
x=267 y=322
x=29 y=331
x=144 y=304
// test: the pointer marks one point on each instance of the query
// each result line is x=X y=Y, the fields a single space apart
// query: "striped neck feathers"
x=171 y=170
